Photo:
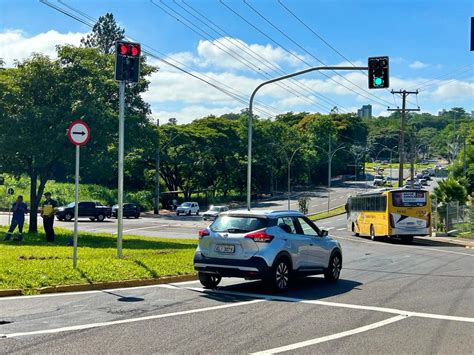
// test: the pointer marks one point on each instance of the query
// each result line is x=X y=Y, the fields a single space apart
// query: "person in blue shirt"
x=19 y=209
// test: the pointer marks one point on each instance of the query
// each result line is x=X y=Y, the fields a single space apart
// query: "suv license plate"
x=225 y=248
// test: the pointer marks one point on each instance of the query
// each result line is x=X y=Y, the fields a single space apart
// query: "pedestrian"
x=47 y=212
x=19 y=209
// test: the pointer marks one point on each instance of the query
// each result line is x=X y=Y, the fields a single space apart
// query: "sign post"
x=79 y=134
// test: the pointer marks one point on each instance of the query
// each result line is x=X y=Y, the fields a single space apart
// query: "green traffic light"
x=378 y=81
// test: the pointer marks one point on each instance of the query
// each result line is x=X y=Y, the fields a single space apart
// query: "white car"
x=188 y=208
x=213 y=212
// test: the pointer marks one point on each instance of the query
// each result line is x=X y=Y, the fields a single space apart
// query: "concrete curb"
x=102 y=285
x=10 y=292
x=343 y=212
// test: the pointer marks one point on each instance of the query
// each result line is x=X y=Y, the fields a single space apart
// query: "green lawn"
x=332 y=212
x=395 y=165
x=33 y=263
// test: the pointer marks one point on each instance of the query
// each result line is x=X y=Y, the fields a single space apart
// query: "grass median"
x=34 y=263
x=326 y=214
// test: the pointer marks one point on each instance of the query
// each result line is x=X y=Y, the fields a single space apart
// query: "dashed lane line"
x=346 y=333
x=129 y=320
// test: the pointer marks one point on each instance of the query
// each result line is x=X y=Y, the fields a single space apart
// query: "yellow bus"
x=400 y=213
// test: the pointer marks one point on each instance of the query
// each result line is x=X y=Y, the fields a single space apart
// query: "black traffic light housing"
x=127 y=61
x=378 y=73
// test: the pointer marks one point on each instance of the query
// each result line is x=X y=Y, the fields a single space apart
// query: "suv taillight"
x=260 y=237
x=203 y=233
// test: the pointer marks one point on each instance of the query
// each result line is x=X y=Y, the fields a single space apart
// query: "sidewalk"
x=468 y=243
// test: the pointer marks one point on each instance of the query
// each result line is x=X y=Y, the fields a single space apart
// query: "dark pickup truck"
x=88 y=209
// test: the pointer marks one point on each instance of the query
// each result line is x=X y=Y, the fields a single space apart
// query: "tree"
x=450 y=190
x=104 y=34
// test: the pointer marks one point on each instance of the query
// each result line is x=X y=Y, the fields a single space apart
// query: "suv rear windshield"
x=238 y=224
x=409 y=199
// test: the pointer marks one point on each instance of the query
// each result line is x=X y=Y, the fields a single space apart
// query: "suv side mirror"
x=324 y=233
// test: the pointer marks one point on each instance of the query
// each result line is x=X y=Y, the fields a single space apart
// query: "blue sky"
x=426 y=40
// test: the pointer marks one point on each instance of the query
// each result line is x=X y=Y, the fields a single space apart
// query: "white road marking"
x=330 y=228
x=340 y=305
x=125 y=321
x=341 y=229
x=306 y=343
x=65 y=294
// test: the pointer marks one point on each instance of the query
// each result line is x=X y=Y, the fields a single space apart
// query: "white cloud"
x=453 y=90
x=15 y=44
x=233 y=53
x=418 y=65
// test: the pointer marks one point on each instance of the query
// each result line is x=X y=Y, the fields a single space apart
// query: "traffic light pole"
x=120 y=167
x=250 y=122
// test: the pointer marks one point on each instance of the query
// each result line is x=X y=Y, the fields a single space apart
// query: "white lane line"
x=339 y=305
x=306 y=343
x=330 y=228
x=359 y=240
x=65 y=294
x=125 y=321
x=341 y=229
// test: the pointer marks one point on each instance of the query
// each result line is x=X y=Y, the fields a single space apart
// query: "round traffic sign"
x=78 y=132
x=10 y=191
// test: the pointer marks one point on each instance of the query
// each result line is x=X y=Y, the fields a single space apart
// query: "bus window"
x=409 y=198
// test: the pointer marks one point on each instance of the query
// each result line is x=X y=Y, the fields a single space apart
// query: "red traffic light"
x=135 y=50
x=129 y=49
x=123 y=49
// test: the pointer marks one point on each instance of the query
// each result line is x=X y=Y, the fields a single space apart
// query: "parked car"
x=92 y=210
x=274 y=246
x=129 y=210
x=431 y=171
x=423 y=182
x=213 y=212
x=416 y=184
x=188 y=208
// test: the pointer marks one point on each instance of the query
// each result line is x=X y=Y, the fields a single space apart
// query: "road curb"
x=102 y=285
x=10 y=292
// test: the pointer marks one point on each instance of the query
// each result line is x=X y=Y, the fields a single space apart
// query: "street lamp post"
x=250 y=119
x=391 y=150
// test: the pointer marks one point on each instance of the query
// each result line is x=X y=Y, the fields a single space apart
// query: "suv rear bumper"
x=253 y=268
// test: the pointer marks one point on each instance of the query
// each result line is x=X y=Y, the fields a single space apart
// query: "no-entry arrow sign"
x=79 y=132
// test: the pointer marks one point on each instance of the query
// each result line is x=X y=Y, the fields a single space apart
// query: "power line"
x=463 y=69
x=324 y=41
x=161 y=57
x=213 y=40
x=377 y=99
x=249 y=51
x=438 y=81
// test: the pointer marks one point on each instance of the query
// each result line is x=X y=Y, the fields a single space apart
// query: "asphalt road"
x=391 y=298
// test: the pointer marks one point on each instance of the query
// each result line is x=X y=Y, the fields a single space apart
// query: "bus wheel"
x=407 y=239
x=372 y=232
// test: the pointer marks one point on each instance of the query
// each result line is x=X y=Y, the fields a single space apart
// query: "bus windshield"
x=409 y=198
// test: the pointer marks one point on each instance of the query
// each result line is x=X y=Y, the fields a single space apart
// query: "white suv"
x=188 y=208
x=273 y=246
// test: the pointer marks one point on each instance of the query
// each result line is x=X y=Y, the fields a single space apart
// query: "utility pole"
x=401 y=142
x=412 y=159
x=156 y=207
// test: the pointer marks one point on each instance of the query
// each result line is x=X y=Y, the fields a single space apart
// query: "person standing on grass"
x=19 y=209
x=47 y=212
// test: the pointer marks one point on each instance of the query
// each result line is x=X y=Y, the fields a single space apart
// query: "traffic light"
x=127 y=61
x=2 y=180
x=378 y=73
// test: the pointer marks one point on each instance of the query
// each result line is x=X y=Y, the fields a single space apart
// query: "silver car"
x=213 y=211
x=274 y=246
